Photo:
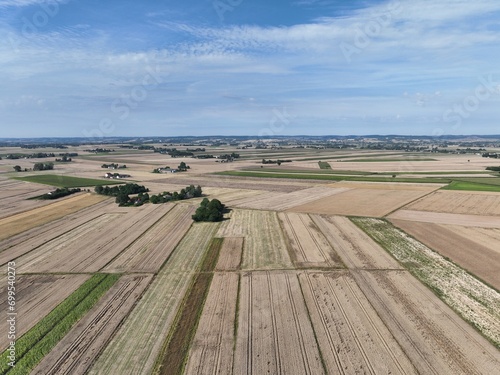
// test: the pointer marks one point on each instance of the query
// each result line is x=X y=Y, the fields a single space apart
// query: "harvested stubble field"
x=416 y=318
x=308 y=246
x=14 y=197
x=37 y=295
x=212 y=348
x=352 y=337
x=218 y=181
x=154 y=245
x=75 y=353
x=374 y=200
x=364 y=201
x=459 y=202
x=275 y=335
x=475 y=249
x=265 y=246
x=279 y=201
x=22 y=243
x=139 y=340
x=137 y=228
x=230 y=254
x=230 y=197
x=478 y=303
x=447 y=218
x=18 y=223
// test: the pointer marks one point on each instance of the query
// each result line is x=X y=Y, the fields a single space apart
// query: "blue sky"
x=249 y=67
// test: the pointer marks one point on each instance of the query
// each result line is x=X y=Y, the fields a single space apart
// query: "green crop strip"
x=41 y=338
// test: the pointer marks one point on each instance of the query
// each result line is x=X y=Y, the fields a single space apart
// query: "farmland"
x=345 y=270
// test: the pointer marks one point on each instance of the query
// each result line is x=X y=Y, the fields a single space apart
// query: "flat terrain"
x=459 y=202
x=369 y=201
x=475 y=249
x=12 y=225
x=301 y=277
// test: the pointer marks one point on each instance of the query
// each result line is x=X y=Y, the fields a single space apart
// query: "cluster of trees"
x=495 y=169
x=126 y=189
x=209 y=210
x=189 y=192
x=279 y=161
x=490 y=155
x=59 y=193
x=99 y=150
x=173 y=152
x=183 y=167
x=204 y=156
x=113 y=166
x=122 y=193
x=31 y=156
x=51 y=145
x=125 y=200
x=43 y=166
x=64 y=159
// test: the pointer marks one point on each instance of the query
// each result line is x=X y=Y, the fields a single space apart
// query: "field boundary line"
x=137 y=239
x=411 y=202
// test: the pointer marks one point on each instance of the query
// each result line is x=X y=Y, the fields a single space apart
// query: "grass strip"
x=173 y=358
x=41 y=338
x=475 y=301
x=330 y=177
x=66 y=181
x=324 y=165
x=471 y=186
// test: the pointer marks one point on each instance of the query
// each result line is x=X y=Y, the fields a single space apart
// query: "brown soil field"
x=230 y=254
x=362 y=202
x=76 y=352
x=212 y=348
x=309 y=247
x=447 y=218
x=154 y=246
x=354 y=245
x=12 y=225
x=459 y=202
x=279 y=201
x=264 y=246
x=475 y=249
x=275 y=335
x=352 y=338
x=36 y=296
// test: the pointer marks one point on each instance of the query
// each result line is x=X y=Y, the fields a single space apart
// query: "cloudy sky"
x=249 y=67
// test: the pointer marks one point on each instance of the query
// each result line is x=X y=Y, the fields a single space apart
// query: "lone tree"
x=17 y=168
